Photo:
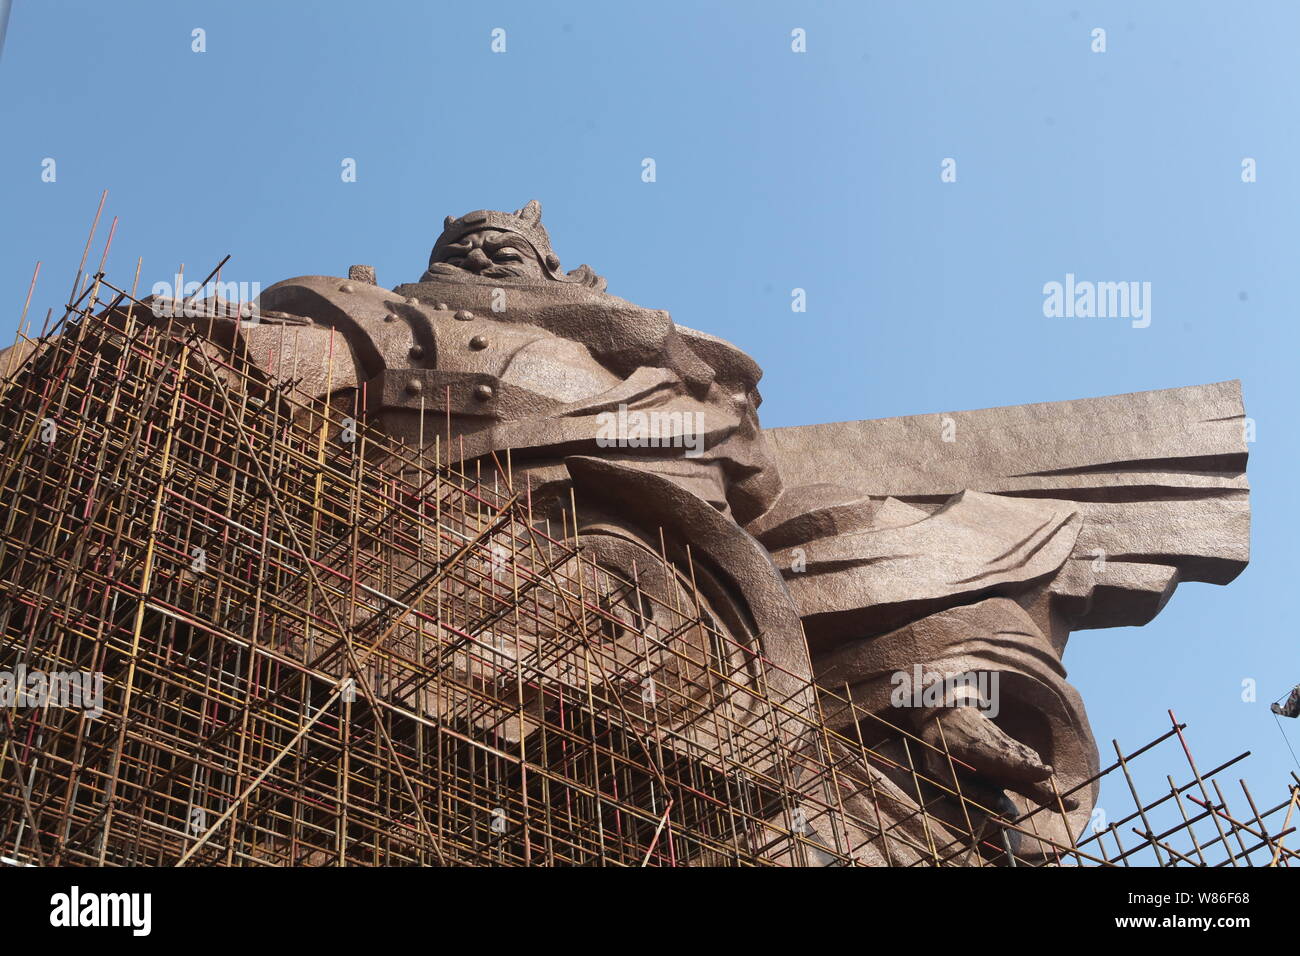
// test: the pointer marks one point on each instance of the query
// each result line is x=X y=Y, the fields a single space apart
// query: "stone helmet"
x=526 y=223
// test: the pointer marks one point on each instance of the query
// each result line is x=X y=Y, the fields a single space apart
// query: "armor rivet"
x=442 y=307
x=417 y=351
x=412 y=301
x=464 y=315
x=347 y=287
x=389 y=317
x=482 y=392
x=414 y=387
x=478 y=342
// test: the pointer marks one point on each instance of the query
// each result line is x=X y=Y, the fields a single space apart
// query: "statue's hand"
x=998 y=759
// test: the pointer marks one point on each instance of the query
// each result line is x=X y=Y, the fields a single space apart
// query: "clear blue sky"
x=775 y=170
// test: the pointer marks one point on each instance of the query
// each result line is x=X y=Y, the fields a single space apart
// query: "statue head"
x=501 y=246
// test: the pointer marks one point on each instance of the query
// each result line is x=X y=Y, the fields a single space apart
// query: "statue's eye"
x=507 y=255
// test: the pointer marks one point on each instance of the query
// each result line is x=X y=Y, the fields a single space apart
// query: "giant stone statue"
x=866 y=554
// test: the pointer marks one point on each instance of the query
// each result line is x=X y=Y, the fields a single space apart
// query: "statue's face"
x=492 y=254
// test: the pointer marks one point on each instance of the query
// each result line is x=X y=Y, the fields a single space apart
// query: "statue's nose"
x=476 y=261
